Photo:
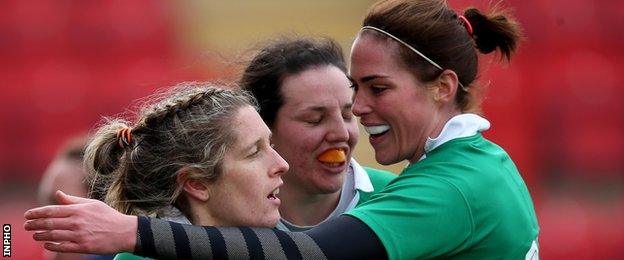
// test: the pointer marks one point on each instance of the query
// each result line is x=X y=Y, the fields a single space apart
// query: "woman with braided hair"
x=199 y=155
x=413 y=65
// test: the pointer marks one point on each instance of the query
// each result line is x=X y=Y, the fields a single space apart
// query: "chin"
x=329 y=188
x=270 y=223
x=385 y=160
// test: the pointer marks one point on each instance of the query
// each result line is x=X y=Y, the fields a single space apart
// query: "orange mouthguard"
x=333 y=156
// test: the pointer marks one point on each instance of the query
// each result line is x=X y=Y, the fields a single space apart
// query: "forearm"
x=346 y=237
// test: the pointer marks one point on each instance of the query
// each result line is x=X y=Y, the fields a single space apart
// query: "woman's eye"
x=313 y=121
x=253 y=153
x=377 y=90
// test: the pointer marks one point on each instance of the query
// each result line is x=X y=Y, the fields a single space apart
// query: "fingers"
x=71 y=247
x=49 y=224
x=65 y=199
x=55 y=236
x=54 y=211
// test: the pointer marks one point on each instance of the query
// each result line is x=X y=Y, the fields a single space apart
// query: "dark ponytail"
x=494 y=30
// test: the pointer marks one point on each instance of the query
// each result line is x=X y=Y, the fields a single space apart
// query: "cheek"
x=297 y=140
x=309 y=140
x=246 y=196
x=354 y=134
x=241 y=183
x=383 y=106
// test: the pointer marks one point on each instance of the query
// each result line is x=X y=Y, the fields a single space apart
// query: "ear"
x=448 y=83
x=194 y=188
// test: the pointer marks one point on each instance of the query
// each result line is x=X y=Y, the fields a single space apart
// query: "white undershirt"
x=459 y=126
x=356 y=180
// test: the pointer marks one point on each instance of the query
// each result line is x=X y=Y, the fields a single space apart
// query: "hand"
x=82 y=225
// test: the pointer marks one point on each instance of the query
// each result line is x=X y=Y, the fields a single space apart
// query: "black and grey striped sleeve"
x=345 y=237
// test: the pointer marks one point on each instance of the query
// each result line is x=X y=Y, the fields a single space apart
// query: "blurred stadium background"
x=558 y=108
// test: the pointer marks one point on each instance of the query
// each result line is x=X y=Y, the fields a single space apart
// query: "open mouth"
x=273 y=194
x=376 y=131
x=333 y=165
x=334 y=160
x=333 y=157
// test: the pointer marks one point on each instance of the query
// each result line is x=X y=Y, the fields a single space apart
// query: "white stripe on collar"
x=360 y=177
x=462 y=125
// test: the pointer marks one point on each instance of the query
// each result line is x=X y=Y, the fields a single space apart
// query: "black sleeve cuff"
x=145 y=240
x=347 y=237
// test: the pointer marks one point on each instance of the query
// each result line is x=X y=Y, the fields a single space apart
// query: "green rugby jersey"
x=465 y=200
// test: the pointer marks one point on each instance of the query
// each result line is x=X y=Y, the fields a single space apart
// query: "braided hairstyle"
x=187 y=128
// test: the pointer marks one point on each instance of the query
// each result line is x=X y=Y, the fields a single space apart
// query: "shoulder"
x=379 y=178
x=368 y=180
x=475 y=146
x=422 y=210
x=406 y=191
x=466 y=154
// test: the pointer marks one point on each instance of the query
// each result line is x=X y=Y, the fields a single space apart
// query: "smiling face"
x=315 y=118
x=396 y=109
x=244 y=194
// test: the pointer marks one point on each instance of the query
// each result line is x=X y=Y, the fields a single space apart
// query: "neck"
x=304 y=208
x=203 y=221
x=438 y=124
x=198 y=214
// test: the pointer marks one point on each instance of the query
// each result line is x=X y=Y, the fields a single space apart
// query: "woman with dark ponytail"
x=413 y=65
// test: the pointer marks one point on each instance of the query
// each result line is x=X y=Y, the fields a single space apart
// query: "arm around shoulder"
x=82 y=225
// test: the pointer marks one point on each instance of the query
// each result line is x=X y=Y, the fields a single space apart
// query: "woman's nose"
x=360 y=104
x=280 y=166
x=338 y=131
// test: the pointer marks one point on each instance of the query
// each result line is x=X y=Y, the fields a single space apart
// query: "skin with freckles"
x=251 y=172
x=401 y=111
x=315 y=117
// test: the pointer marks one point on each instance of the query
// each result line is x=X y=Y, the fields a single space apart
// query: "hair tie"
x=466 y=24
x=125 y=137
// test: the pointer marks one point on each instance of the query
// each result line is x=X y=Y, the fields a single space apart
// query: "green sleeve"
x=129 y=256
x=379 y=179
x=418 y=216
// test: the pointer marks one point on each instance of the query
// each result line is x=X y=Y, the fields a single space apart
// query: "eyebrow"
x=256 y=143
x=371 y=77
x=313 y=108
x=322 y=108
x=251 y=146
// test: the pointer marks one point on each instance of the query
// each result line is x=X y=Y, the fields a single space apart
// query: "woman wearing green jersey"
x=413 y=66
